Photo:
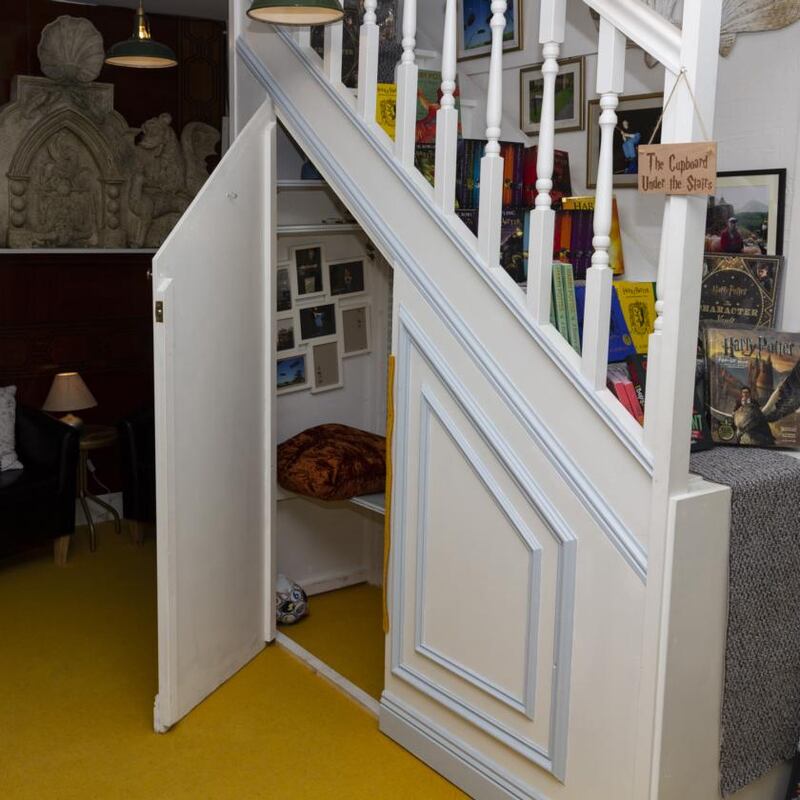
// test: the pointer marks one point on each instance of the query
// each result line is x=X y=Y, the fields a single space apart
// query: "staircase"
x=549 y=541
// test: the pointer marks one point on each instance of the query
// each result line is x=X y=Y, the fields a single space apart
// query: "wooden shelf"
x=372 y=502
x=301 y=185
x=301 y=230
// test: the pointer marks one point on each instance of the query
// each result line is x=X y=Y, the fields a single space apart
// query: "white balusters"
x=597 y=313
x=491 y=192
x=447 y=117
x=368 y=62
x=552 y=27
x=332 y=59
x=406 y=79
x=304 y=36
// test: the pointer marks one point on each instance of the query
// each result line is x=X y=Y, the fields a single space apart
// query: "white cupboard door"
x=213 y=394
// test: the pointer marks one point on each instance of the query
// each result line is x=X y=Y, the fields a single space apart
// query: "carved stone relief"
x=73 y=173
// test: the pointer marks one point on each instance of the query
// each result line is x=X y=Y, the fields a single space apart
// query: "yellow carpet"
x=77 y=681
x=345 y=630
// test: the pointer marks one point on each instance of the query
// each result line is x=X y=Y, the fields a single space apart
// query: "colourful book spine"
x=633 y=402
x=461 y=161
x=529 y=177
x=558 y=294
x=574 y=336
x=476 y=172
x=565 y=236
x=519 y=164
x=507 y=154
x=618 y=387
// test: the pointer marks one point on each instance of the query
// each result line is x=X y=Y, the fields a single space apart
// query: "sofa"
x=37 y=503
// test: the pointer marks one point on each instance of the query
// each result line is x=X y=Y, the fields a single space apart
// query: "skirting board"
x=450 y=757
x=329 y=583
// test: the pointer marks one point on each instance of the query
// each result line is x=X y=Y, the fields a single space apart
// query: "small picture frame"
x=346 y=277
x=283 y=288
x=291 y=373
x=746 y=216
x=285 y=333
x=475 y=34
x=327 y=366
x=569 y=96
x=317 y=321
x=637 y=118
x=355 y=329
x=309 y=272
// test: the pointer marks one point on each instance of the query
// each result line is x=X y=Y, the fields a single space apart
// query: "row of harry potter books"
x=747 y=376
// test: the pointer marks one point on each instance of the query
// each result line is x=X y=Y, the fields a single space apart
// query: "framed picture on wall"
x=637 y=118
x=475 y=33
x=285 y=336
x=309 y=272
x=346 y=277
x=355 y=329
x=327 y=367
x=292 y=373
x=317 y=321
x=746 y=215
x=569 y=96
x=283 y=288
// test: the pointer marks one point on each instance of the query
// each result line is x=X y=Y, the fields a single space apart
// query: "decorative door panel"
x=483 y=622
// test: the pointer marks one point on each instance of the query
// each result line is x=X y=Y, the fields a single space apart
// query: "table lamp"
x=69 y=393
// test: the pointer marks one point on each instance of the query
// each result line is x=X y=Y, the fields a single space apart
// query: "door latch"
x=159 y=310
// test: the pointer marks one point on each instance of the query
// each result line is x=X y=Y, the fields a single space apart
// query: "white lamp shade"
x=69 y=393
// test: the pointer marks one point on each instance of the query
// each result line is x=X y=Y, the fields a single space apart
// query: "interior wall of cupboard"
x=324 y=545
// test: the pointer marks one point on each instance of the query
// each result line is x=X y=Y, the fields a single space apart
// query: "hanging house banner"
x=684 y=169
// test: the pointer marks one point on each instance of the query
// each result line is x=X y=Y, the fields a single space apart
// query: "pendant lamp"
x=141 y=51
x=296 y=12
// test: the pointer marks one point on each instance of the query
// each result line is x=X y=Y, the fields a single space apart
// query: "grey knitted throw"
x=761 y=703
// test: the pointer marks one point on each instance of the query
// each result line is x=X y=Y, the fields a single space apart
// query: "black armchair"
x=137 y=436
x=37 y=503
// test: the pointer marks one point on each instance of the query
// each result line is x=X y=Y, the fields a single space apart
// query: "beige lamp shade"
x=69 y=393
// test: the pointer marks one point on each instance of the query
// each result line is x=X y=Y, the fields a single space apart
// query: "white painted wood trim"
x=644 y=26
x=461 y=764
x=337 y=679
x=332 y=58
x=368 y=64
x=447 y=118
x=406 y=78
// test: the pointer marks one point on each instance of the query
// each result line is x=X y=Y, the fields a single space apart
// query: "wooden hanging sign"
x=687 y=169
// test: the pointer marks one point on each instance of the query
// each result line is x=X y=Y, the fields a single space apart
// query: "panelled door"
x=213 y=345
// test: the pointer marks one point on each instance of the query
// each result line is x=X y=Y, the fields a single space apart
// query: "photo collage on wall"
x=323 y=316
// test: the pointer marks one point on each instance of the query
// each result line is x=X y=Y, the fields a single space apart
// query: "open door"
x=214 y=412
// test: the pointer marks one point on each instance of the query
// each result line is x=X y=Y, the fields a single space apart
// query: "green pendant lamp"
x=296 y=12
x=141 y=51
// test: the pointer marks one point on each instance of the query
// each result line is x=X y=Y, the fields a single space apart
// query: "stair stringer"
x=593 y=449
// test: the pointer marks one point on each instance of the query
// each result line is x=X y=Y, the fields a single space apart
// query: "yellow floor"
x=77 y=681
x=345 y=630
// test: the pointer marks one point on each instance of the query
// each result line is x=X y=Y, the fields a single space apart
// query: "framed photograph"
x=475 y=34
x=346 y=277
x=355 y=329
x=569 y=96
x=746 y=215
x=283 y=288
x=317 y=321
x=292 y=373
x=285 y=337
x=327 y=363
x=308 y=270
x=637 y=117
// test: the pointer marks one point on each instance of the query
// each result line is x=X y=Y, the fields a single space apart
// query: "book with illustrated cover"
x=741 y=290
x=512 y=235
x=638 y=302
x=386 y=107
x=425 y=160
x=753 y=386
x=429 y=95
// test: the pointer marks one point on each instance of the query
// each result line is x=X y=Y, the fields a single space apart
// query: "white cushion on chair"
x=8 y=416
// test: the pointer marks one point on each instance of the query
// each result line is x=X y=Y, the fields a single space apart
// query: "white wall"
x=757 y=124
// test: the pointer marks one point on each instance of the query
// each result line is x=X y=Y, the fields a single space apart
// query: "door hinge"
x=159 y=310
